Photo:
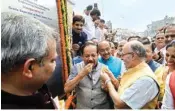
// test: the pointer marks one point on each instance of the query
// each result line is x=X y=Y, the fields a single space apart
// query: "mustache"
x=90 y=61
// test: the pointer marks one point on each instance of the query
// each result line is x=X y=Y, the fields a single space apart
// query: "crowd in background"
x=159 y=56
x=137 y=73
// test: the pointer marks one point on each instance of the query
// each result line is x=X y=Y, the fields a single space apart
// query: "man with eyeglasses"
x=138 y=87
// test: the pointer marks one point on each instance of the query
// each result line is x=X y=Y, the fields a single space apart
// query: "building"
x=155 y=25
x=123 y=34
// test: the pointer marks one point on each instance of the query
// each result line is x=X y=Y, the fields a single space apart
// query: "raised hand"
x=75 y=47
x=103 y=86
x=104 y=76
x=87 y=69
x=108 y=72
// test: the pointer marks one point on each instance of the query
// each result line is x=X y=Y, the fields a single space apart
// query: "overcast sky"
x=131 y=14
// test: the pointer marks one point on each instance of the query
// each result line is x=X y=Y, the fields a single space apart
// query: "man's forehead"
x=160 y=35
x=126 y=47
x=170 y=33
x=90 y=50
x=104 y=44
x=170 y=30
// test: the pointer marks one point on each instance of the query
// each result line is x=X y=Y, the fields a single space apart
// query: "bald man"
x=138 y=87
x=115 y=65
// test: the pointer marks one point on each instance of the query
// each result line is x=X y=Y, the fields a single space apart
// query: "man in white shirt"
x=101 y=31
x=89 y=26
x=160 y=45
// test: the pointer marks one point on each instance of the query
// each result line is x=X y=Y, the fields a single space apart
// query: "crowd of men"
x=136 y=73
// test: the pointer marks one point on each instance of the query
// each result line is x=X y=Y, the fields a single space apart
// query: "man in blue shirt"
x=149 y=53
x=115 y=64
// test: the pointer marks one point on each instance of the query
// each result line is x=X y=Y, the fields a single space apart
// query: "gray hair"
x=138 y=48
x=22 y=38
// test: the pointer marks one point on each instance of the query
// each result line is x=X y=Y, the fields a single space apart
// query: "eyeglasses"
x=123 y=54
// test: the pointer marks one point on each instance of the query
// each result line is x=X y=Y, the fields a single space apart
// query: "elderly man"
x=138 y=88
x=115 y=64
x=85 y=79
x=28 y=53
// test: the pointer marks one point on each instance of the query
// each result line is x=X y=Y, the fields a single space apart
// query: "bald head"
x=104 y=49
x=104 y=42
x=133 y=53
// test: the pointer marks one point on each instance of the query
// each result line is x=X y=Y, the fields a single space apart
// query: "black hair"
x=102 y=21
x=78 y=18
x=116 y=45
x=98 y=17
x=153 y=46
x=93 y=38
x=95 y=12
x=146 y=41
x=89 y=7
x=133 y=37
x=85 y=45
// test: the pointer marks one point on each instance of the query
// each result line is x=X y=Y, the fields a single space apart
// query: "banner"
x=43 y=10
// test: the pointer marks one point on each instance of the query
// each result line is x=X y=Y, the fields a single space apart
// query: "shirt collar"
x=136 y=68
x=109 y=59
x=74 y=33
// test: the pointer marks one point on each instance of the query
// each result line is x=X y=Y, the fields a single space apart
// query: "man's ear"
x=28 y=67
x=134 y=56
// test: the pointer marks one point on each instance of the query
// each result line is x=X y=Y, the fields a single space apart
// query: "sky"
x=131 y=14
